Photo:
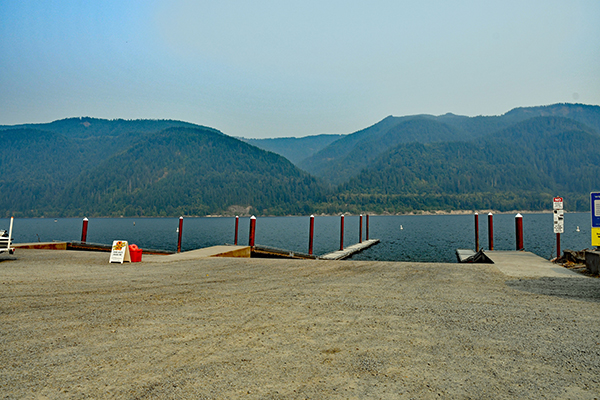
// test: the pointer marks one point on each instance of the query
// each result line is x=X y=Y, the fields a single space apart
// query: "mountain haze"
x=295 y=149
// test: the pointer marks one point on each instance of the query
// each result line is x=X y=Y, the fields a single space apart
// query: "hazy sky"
x=280 y=68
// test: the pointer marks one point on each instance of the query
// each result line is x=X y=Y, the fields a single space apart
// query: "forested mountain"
x=520 y=167
x=34 y=166
x=177 y=171
x=295 y=149
x=93 y=167
x=337 y=166
x=195 y=172
x=347 y=156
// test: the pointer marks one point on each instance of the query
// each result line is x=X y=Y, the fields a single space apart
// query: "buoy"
x=401 y=227
x=577 y=229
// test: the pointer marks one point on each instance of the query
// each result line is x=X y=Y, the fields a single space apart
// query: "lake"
x=429 y=238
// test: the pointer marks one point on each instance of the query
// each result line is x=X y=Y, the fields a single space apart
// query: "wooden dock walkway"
x=349 y=251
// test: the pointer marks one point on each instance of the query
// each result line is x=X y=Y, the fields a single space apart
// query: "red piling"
x=311 y=234
x=180 y=231
x=491 y=231
x=360 y=229
x=237 y=224
x=342 y=234
x=367 y=227
x=84 y=230
x=476 y=232
x=519 y=231
x=252 y=235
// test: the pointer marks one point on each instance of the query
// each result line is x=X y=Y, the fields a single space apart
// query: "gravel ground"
x=75 y=326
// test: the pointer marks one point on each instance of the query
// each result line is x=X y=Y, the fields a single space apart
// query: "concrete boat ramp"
x=514 y=264
x=522 y=264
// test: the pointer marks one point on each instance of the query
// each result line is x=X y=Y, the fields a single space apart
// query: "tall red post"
x=476 y=232
x=491 y=231
x=311 y=234
x=342 y=234
x=558 y=245
x=519 y=231
x=180 y=231
x=84 y=230
x=367 y=227
x=252 y=235
x=360 y=229
x=237 y=224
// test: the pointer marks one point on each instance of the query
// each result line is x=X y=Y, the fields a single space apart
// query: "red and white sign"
x=558 y=203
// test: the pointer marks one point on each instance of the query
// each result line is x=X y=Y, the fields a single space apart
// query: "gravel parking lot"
x=75 y=326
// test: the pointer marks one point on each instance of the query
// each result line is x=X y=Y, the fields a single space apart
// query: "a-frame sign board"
x=120 y=252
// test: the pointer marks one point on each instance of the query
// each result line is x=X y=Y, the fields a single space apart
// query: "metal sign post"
x=595 y=212
x=559 y=221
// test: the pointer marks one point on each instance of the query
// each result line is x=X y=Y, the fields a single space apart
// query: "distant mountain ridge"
x=85 y=127
x=357 y=150
x=94 y=167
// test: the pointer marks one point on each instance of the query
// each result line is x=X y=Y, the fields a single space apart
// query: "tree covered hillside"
x=344 y=159
x=92 y=167
x=191 y=171
x=520 y=167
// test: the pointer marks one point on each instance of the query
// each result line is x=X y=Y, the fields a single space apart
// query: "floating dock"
x=349 y=251
x=214 y=251
x=79 y=246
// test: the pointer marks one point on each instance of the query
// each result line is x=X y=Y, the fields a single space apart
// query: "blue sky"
x=267 y=68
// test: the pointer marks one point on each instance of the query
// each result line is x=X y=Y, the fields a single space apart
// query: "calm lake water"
x=432 y=238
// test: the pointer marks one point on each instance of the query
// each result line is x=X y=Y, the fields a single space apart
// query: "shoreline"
x=412 y=213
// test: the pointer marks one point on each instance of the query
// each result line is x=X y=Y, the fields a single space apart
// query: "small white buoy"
x=401 y=227
x=577 y=229
x=133 y=223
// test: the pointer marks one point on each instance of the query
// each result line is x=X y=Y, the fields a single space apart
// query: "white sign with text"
x=120 y=252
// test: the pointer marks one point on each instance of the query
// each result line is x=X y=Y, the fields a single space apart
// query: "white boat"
x=6 y=239
x=3 y=238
